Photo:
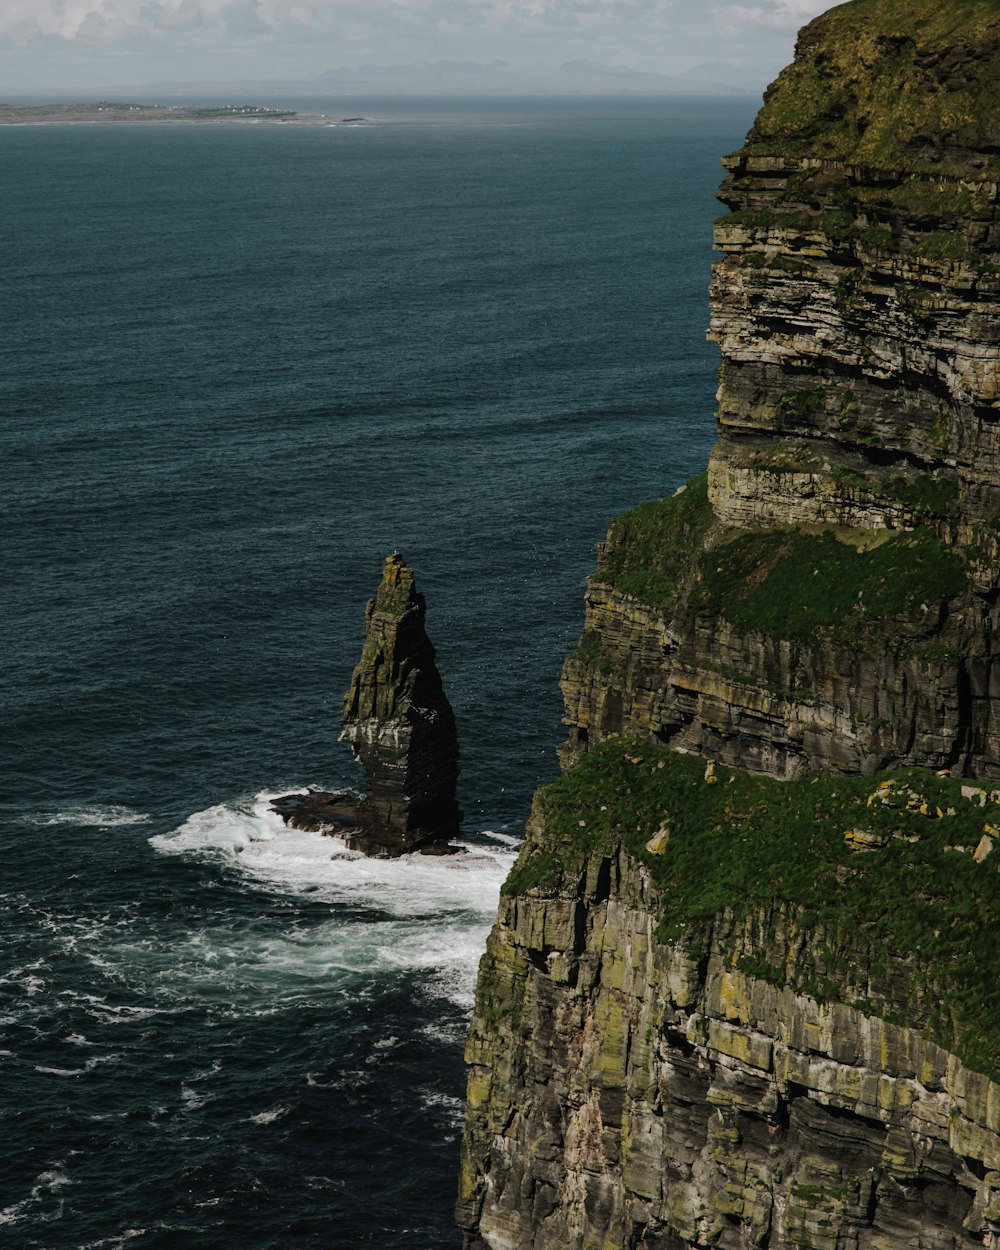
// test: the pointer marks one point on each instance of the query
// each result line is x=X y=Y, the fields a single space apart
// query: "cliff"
x=743 y=988
x=832 y=601
x=666 y=1051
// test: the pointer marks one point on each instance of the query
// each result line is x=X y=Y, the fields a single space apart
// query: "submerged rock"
x=401 y=727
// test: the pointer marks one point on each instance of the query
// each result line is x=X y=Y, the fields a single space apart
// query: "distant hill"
x=580 y=77
x=473 y=78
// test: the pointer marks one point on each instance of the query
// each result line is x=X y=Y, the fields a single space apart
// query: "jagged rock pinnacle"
x=399 y=722
x=400 y=725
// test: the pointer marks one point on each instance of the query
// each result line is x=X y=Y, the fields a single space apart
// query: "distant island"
x=113 y=111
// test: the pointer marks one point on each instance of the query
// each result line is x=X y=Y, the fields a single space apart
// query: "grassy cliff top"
x=896 y=876
x=892 y=84
x=786 y=583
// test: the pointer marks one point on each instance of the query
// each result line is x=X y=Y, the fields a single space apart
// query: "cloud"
x=57 y=43
x=87 y=20
x=774 y=15
x=103 y=20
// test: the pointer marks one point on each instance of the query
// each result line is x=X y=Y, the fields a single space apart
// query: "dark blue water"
x=239 y=365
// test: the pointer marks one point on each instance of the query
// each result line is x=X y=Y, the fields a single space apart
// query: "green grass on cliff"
x=787 y=583
x=649 y=551
x=791 y=584
x=891 y=84
x=915 y=914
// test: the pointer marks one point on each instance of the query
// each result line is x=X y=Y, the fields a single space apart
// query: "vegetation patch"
x=943 y=245
x=787 y=583
x=786 y=456
x=917 y=300
x=924 y=495
x=876 y=238
x=888 y=871
x=884 y=84
x=792 y=265
x=925 y=198
x=590 y=651
x=790 y=584
x=650 y=551
x=801 y=405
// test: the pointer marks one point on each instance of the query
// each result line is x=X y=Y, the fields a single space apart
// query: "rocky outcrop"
x=401 y=727
x=720 y=1009
x=916 y=683
x=627 y=1092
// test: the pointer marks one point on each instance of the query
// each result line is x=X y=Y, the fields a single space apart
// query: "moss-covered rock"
x=890 y=83
x=881 y=870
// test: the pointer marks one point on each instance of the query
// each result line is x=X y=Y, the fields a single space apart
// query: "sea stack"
x=399 y=722
x=401 y=727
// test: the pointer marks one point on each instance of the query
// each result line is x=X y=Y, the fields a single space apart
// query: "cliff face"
x=627 y=1092
x=751 y=999
x=725 y=1010
x=857 y=306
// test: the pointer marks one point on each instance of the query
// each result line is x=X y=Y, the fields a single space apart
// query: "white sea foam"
x=121 y=1239
x=451 y=1034
x=93 y=815
x=308 y=863
x=268 y=1117
x=416 y=913
x=192 y=1099
x=87 y=1067
x=45 y=1189
x=97 y=1006
x=453 y=1108
x=25 y=980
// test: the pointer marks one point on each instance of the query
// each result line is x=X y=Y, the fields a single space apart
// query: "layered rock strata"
x=857 y=306
x=631 y=1092
x=759 y=1020
x=401 y=727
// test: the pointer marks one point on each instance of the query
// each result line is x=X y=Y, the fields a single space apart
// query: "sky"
x=65 y=45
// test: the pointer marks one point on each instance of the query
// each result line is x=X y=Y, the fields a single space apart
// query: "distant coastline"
x=107 y=111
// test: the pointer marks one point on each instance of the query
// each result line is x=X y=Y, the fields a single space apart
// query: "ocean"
x=241 y=364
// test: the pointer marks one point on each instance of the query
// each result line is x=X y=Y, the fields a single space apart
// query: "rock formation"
x=398 y=720
x=629 y=1091
x=857 y=306
x=401 y=727
x=751 y=999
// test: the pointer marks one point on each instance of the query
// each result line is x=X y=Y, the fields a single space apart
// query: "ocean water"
x=240 y=365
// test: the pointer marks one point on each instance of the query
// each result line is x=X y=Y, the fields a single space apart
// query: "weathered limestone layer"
x=629 y=1093
x=775 y=705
